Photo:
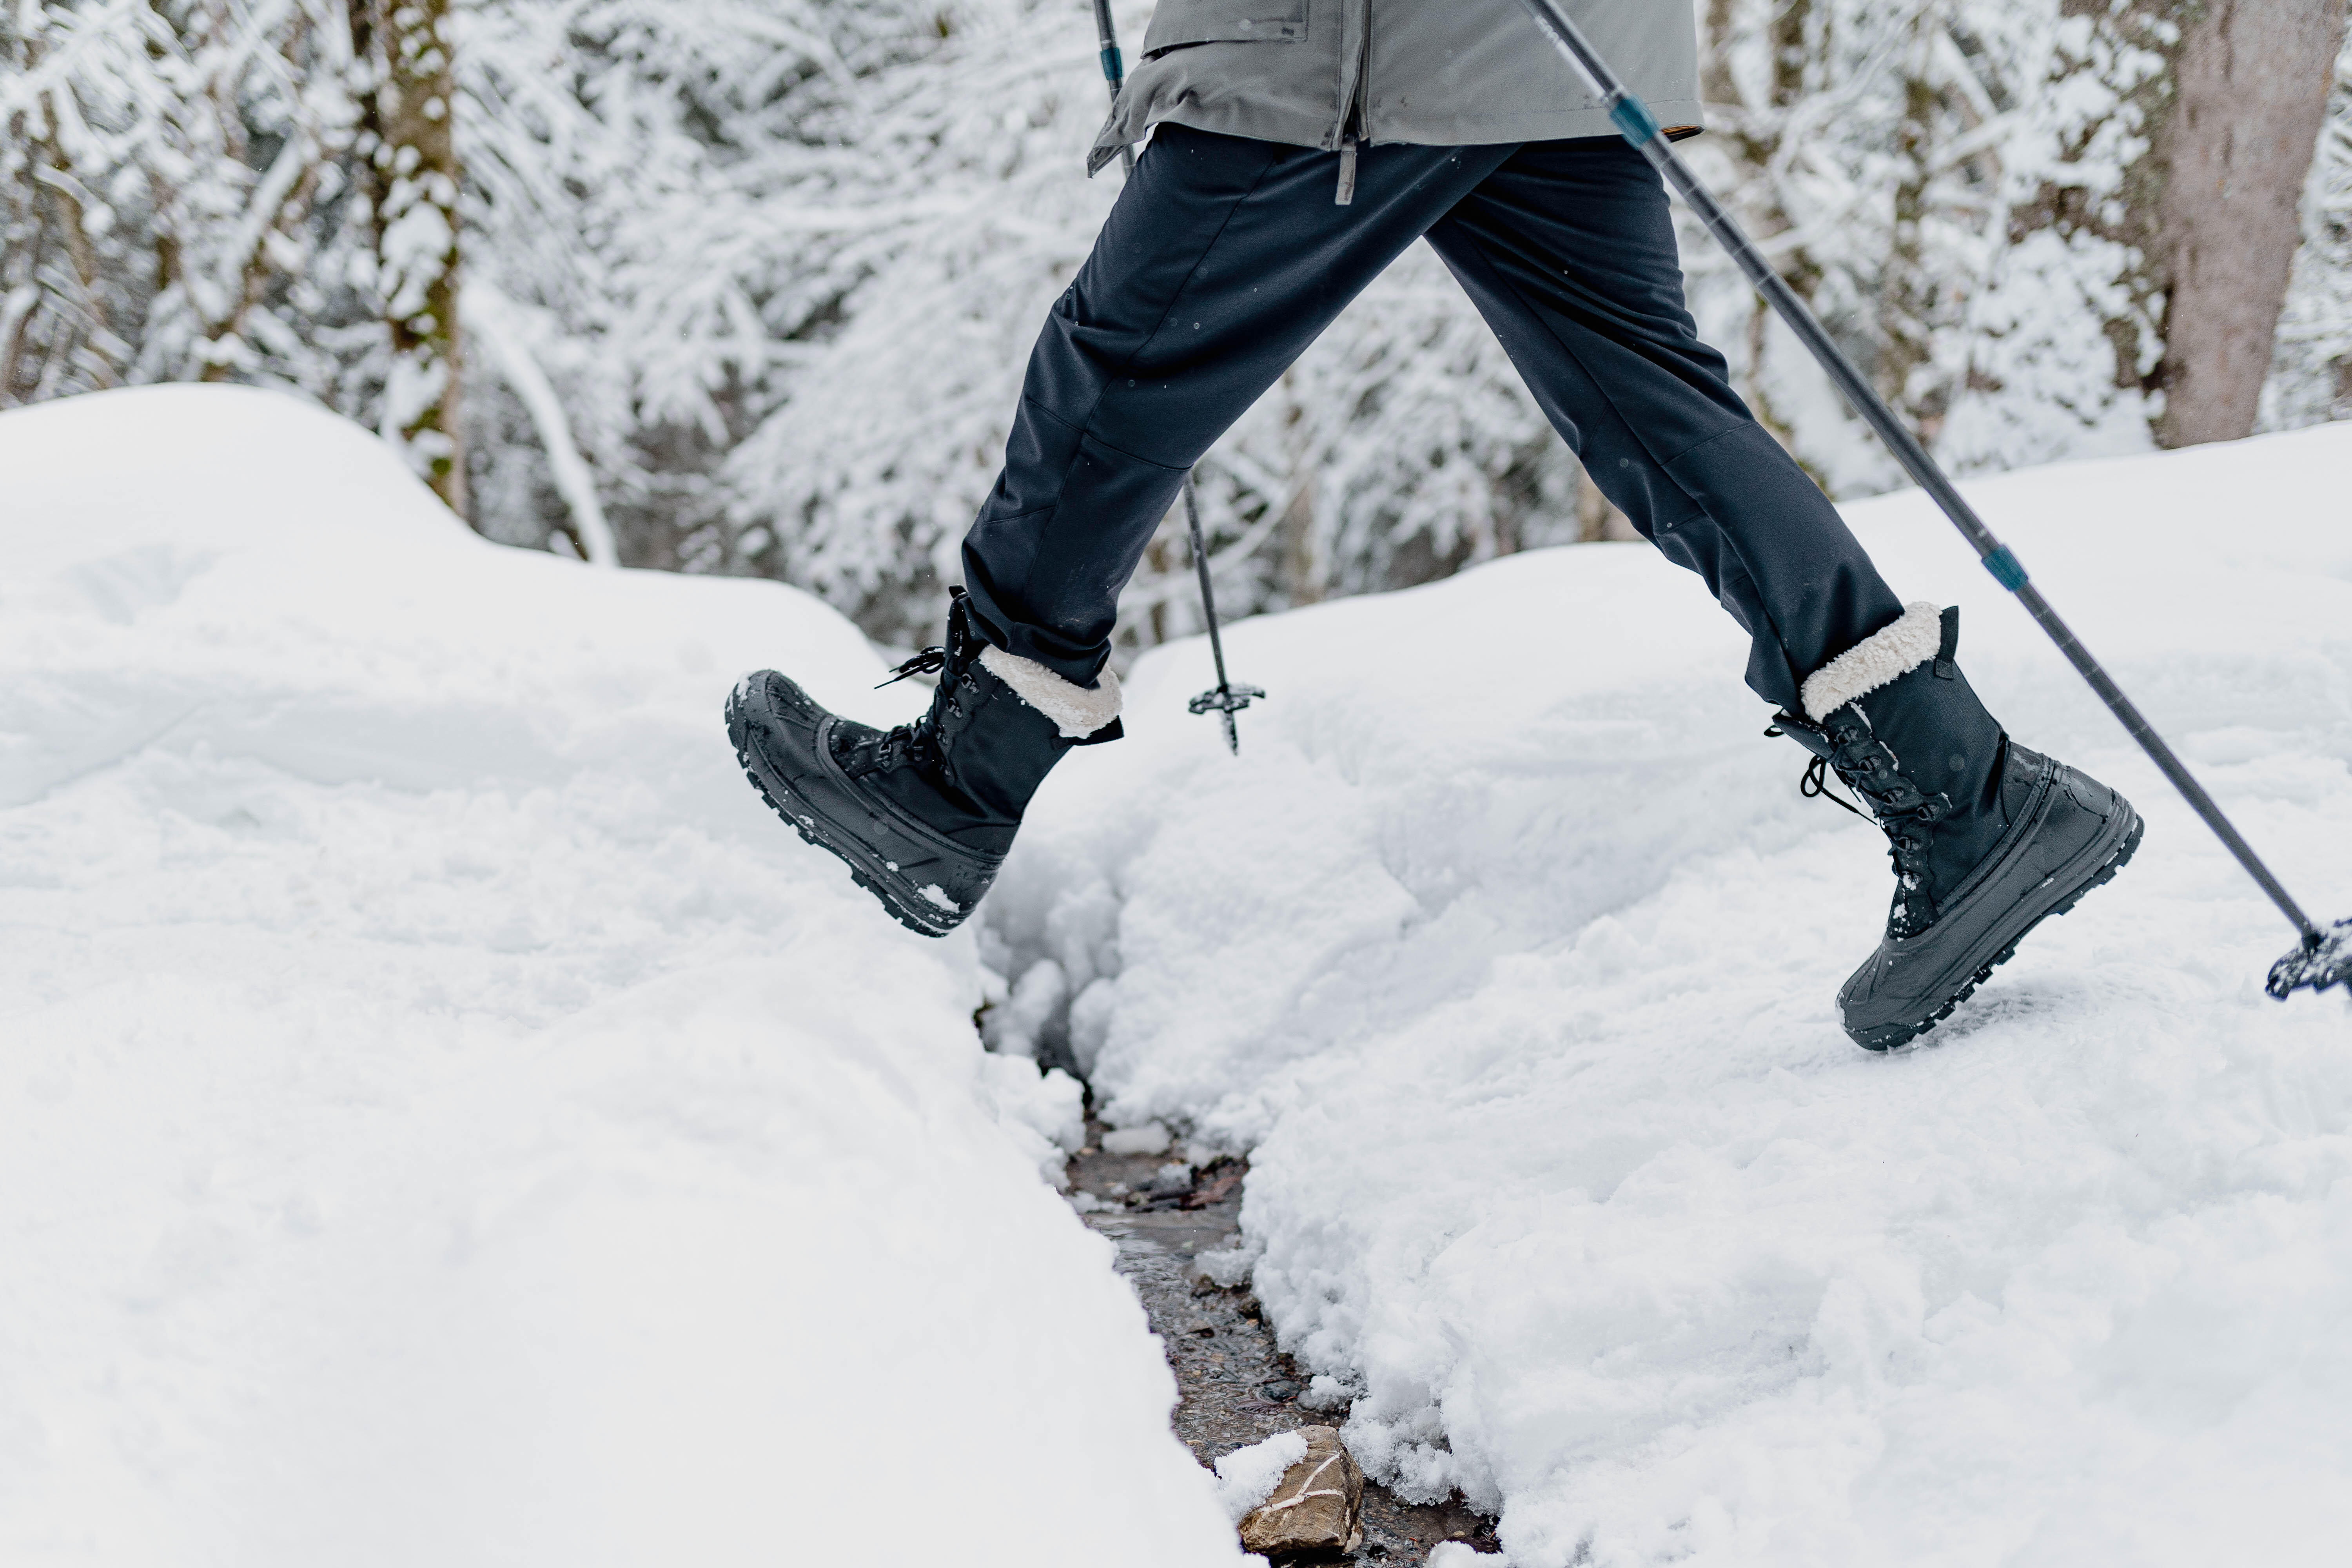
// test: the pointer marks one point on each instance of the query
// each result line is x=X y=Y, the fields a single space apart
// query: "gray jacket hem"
x=1132 y=118
x=1432 y=73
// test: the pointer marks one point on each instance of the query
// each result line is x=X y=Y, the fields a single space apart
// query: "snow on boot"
x=1988 y=838
x=922 y=813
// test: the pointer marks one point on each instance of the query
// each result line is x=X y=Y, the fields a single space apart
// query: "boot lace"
x=914 y=744
x=910 y=746
x=917 y=744
x=928 y=661
x=1898 y=808
x=1815 y=785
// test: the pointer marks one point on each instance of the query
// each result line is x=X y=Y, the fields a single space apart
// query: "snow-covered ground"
x=443 y=1119
x=447 y=1120
x=1509 y=949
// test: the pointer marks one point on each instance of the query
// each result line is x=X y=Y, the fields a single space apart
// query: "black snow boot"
x=1988 y=838
x=925 y=813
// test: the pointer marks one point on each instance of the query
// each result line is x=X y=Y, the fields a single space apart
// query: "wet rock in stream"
x=1315 y=1509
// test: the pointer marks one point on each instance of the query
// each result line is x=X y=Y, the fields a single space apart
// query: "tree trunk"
x=2249 y=90
x=412 y=181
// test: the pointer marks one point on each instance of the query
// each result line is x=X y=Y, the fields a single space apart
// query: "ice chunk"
x=1462 y=1554
x=1229 y=1265
x=1148 y=1139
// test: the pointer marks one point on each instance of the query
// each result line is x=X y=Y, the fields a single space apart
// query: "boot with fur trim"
x=1988 y=838
x=924 y=813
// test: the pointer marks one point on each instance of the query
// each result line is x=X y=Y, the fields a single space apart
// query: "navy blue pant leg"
x=1222 y=260
x=1224 y=257
x=1568 y=249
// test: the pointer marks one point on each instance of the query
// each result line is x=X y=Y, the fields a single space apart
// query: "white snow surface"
x=445 y=1118
x=1508 y=950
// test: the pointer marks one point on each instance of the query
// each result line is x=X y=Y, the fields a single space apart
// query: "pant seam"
x=1703 y=444
x=1086 y=435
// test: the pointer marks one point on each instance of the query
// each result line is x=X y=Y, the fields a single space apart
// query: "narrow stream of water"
x=1234 y=1387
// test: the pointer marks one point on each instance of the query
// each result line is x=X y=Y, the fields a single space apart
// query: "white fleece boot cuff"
x=1875 y=660
x=1076 y=711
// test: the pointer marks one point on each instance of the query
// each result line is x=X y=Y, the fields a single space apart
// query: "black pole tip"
x=1226 y=701
x=2321 y=962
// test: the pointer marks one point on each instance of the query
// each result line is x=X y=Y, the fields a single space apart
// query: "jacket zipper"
x=1352 y=112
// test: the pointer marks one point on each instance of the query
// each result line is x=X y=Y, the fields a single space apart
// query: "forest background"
x=747 y=285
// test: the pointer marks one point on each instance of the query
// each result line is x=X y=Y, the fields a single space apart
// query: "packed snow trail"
x=446 y=1118
x=1509 y=950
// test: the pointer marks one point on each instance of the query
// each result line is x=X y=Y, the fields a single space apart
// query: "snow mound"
x=1509 y=949
x=447 y=1119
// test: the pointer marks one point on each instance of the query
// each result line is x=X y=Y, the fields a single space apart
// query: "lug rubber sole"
x=1891 y=1036
x=910 y=910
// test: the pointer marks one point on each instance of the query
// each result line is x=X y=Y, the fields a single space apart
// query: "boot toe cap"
x=2078 y=834
x=770 y=716
x=1891 y=998
x=924 y=875
x=2088 y=793
x=765 y=696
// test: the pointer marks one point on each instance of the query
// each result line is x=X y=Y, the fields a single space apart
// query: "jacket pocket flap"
x=1176 y=23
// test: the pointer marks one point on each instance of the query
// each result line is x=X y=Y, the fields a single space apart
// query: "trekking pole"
x=2323 y=957
x=1114 y=72
x=1224 y=698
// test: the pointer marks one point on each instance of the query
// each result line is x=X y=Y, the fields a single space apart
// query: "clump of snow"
x=1229 y=1265
x=1046 y=1117
x=448 y=1119
x=1015 y=1026
x=1462 y=1554
x=1150 y=1138
x=1247 y=1476
x=1324 y=1392
x=1507 y=950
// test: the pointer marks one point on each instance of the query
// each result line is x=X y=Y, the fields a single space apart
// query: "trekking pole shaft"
x=2161 y=754
x=1114 y=70
x=1209 y=605
x=1633 y=119
x=1201 y=565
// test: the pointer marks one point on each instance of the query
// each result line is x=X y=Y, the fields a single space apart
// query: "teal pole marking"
x=1633 y=119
